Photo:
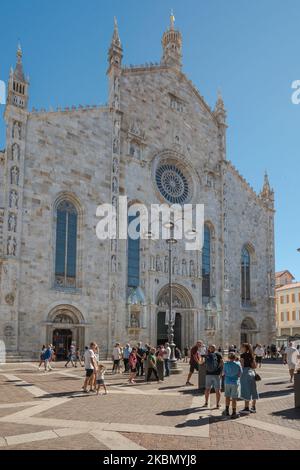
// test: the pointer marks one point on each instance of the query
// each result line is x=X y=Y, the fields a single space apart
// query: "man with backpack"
x=214 y=367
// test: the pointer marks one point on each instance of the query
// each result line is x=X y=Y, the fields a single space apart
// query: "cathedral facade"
x=156 y=141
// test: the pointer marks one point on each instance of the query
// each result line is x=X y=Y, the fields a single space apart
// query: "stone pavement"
x=41 y=410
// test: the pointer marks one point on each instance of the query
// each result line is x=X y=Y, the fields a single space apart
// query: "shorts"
x=213 y=381
x=194 y=366
x=258 y=359
x=232 y=391
x=133 y=369
x=291 y=365
x=89 y=372
x=116 y=362
x=100 y=381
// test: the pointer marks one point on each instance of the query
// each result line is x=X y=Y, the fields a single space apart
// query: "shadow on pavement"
x=184 y=412
x=275 y=393
x=289 y=413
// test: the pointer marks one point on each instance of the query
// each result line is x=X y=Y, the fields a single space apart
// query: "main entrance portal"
x=182 y=303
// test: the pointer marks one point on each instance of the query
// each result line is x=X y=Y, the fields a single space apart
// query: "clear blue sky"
x=250 y=49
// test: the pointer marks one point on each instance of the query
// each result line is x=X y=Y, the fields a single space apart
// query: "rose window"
x=172 y=183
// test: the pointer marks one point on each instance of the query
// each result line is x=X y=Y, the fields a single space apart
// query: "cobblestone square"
x=41 y=410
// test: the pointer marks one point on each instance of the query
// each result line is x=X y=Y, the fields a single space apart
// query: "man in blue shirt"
x=126 y=353
x=232 y=372
x=47 y=358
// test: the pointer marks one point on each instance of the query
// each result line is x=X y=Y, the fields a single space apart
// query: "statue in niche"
x=158 y=263
x=113 y=245
x=116 y=127
x=16 y=131
x=166 y=264
x=12 y=223
x=116 y=102
x=14 y=176
x=117 y=85
x=192 y=268
x=10 y=299
x=13 y=199
x=114 y=264
x=184 y=268
x=113 y=292
x=116 y=144
x=134 y=323
x=175 y=265
x=115 y=185
x=152 y=263
x=115 y=166
x=114 y=201
x=11 y=246
x=15 y=152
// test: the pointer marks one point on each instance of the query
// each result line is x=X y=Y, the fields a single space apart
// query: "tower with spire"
x=115 y=53
x=18 y=85
x=172 y=46
x=220 y=114
x=267 y=193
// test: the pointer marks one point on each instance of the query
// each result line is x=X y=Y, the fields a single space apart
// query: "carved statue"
x=134 y=323
x=13 y=199
x=12 y=223
x=16 y=130
x=117 y=85
x=11 y=246
x=114 y=264
x=115 y=185
x=14 y=176
x=158 y=263
x=116 y=127
x=115 y=166
x=192 y=268
x=184 y=268
x=15 y=152
x=166 y=264
x=116 y=102
x=152 y=263
x=114 y=201
x=116 y=144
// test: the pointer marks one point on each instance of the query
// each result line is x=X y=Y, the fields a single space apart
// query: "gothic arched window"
x=245 y=275
x=133 y=267
x=66 y=245
x=206 y=262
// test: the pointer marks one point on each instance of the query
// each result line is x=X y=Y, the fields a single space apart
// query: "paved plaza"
x=41 y=410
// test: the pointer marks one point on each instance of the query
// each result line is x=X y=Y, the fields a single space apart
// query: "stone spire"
x=220 y=111
x=18 y=84
x=115 y=53
x=172 y=45
x=267 y=193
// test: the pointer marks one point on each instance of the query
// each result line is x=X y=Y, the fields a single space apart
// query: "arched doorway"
x=182 y=302
x=248 y=331
x=65 y=326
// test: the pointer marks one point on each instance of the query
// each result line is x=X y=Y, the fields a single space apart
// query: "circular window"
x=172 y=183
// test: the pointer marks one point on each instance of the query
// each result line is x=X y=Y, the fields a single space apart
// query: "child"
x=100 y=378
x=132 y=365
x=232 y=372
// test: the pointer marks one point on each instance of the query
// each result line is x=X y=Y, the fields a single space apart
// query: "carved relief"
x=134 y=321
x=10 y=299
x=135 y=150
x=116 y=144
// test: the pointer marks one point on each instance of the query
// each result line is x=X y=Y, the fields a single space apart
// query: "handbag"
x=257 y=377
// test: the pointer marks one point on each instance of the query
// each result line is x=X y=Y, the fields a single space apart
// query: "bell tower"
x=18 y=85
x=172 y=46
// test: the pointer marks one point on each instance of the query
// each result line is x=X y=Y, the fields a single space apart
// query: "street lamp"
x=171 y=320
